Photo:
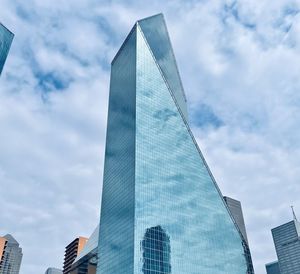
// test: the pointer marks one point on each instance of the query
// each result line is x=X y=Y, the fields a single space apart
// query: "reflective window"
x=162 y=211
x=156 y=251
x=174 y=188
x=6 y=38
x=155 y=31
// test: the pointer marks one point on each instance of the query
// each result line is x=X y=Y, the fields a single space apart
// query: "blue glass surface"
x=161 y=209
x=156 y=251
x=173 y=186
x=6 y=38
x=155 y=31
x=272 y=268
x=116 y=232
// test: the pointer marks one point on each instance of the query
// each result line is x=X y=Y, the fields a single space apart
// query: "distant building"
x=235 y=208
x=86 y=261
x=272 y=268
x=286 y=238
x=53 y=270
x=11 y=255
x=6 y=38
x=72 y=251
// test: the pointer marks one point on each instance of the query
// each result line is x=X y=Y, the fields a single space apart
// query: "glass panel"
x=161 y=210
x=6 y=38
x=156 y=251
x=173 y=187
x=156 y=34
x=117 y=212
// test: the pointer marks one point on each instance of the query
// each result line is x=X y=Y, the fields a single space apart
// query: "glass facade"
x=162 y=211
x=6 y=38
x=272 y=268
x=85 y=265
x=156 y=251
x=156 y=34
x=116 y=232
x=287 y=244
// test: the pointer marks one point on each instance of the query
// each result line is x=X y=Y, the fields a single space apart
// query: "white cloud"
x=241 y=58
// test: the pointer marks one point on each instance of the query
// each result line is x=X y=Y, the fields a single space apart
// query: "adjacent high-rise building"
x=272 y=268
x=53 y=270
x=6 y=37
x=10 y=255
x=162 y=211
x=286 y=238
x=235 y=208
x=72 y=251
x=86 y=261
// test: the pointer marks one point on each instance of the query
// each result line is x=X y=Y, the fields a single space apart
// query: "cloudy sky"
x=239 y=62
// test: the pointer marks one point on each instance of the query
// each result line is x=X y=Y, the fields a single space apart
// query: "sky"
x=239 y=62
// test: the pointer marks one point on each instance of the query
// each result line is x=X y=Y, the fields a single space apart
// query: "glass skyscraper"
x=287 y=244
x=6 y=38
x=162 y=211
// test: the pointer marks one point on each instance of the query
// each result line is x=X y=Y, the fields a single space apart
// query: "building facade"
x=235 y=209
x=6 y=37
x=162 y=211
x=72 y=251
x=86 y=261
x=11 y=255
x=286 y=239
x=53 y=270
x=272 y=268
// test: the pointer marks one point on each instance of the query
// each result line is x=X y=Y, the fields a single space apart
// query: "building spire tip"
x=294 y=215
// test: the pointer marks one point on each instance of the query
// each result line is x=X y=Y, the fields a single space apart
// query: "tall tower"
x=287 y=244
x=6 y=37
x=162 y=211
x=11 y=255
